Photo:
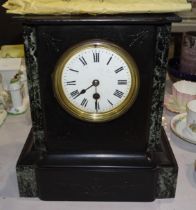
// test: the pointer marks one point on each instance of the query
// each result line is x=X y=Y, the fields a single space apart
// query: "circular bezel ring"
x=87 y=116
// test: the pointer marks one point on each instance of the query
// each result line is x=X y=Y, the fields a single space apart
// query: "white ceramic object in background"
x=3 y=115
x=191 y=117
x=19 y=105
x=23 y=80
x=4 y=96
x=15 y=91
x=183 y=92
x=172 y=106
x=179 y=127
x=10 y=67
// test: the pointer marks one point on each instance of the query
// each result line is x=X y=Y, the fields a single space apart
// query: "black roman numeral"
x=71 y=83
x=74 y=93
x=122 y=82
x=96 y=57
x=83 y=61
x=118 y=93
x=110 y=103
x=109 y=60
x=119 y=69
x=73 y=70
x=84 y=102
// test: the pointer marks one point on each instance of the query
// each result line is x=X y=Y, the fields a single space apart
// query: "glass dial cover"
x=96 y=81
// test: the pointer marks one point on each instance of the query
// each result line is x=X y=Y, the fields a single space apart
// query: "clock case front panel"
x=93 y=161
x=129 y=132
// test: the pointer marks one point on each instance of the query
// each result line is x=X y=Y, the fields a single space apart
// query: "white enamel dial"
x=96 y=80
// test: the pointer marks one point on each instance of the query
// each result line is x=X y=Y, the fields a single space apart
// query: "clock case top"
x=145 y=37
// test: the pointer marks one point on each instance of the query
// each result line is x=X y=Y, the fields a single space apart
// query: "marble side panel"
x=166 y=184
x=158 y=86
x=34 y=86
x=27 y=181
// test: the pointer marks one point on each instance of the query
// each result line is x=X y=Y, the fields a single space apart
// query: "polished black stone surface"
x=91 y=176
x=64 y=132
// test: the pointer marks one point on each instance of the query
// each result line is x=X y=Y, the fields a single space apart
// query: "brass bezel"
x=95 y=117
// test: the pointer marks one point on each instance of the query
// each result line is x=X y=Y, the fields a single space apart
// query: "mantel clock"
x=96 y=90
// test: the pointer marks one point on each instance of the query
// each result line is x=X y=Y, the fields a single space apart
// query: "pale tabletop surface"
x=13 y=134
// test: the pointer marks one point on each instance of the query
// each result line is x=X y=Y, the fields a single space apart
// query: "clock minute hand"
x=94 y=83
x=88 y=88
x=83 y=91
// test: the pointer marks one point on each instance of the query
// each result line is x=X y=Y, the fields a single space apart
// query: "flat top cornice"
x=98 y=19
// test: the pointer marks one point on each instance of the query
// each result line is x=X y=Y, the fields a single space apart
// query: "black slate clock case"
x=126 y=159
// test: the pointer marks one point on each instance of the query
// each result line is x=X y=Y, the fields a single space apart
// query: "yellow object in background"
x=12 y=51
x=55 y=7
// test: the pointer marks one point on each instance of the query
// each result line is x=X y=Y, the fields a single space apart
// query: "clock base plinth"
x=82 y=177
x=96 y=177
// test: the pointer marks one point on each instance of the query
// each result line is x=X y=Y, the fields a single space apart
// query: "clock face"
x=96 y=81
